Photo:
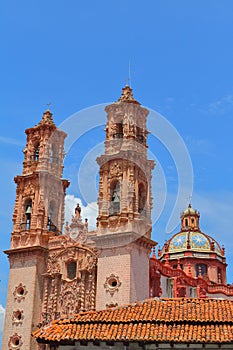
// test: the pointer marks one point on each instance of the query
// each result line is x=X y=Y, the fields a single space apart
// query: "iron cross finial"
x=128 y=79
x=190 y=199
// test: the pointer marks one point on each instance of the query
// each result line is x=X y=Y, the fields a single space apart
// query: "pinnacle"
x=47 y=118
x=127 y=95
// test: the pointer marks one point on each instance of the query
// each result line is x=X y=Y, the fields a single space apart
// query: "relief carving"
x=15 y=342
x=20 y=292
x=53 y=265
x=115 y=169
x=65 y=295
x=112 y=284
x=29 y=190
x=70 y=298
x=17 y=317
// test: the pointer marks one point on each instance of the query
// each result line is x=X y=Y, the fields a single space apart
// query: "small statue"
x=78 y=211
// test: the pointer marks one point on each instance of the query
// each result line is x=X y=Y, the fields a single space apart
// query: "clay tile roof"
x=177 y=320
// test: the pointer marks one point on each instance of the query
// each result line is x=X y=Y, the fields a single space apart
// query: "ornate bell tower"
x=125 y=202
x=38 y=215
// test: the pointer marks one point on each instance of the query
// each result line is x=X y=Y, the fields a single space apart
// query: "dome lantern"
x=190 y=219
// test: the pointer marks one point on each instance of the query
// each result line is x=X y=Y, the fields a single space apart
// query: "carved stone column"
x=45 y=301
x=82 y=291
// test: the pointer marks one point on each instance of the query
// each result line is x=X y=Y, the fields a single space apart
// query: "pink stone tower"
x=125 y=203
x=38 y=215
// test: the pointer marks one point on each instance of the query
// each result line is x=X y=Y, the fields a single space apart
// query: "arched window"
x=119 y=131
x=51 y=215
x=36 y=152
x=219 y=277
x=27 y=213
x=139 y=136
x=201 y=268
x=115 y=198
x=141 y=199
x=71 y=270
x=53 y=155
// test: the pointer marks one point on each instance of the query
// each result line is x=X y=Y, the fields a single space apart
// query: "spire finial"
x=127 y=95
x=190 y=201
x=48 y=104
x=47 y=117
x=128 y=80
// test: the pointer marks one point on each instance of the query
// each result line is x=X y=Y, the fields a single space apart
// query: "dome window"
x=219 y=275
x=201 y=269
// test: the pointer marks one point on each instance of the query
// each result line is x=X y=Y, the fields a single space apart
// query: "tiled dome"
x=190 y=237
x=190 y=210
x=198 y=241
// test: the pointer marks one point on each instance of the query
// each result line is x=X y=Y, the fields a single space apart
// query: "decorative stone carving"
x=15 y=342
x=70 y=298
x=78 y=229
x=20 y=292
x=70 y=254
x=29 y=189
x=17 y=317
x=112 y=284
x=53 y=265
x=91 y=262
x=127 y=95
x=111 y=305
x=115 y=169
x=130 y=185
x=64 y=295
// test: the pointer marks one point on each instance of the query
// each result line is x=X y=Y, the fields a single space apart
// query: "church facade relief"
x=69 y=281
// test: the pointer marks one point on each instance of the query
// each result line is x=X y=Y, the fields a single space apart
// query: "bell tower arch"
x=125 y=203
x=38 y=215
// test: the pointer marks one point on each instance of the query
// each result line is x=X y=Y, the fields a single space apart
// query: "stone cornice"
x=33 y=250
x=122 y=239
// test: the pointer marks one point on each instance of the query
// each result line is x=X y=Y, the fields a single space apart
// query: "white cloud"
x=199 y=145
x=90 y=211
x=10 y=141
x=221 y=105
x=2 y=316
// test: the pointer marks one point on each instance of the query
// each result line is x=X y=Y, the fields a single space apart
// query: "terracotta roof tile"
x=165 y=320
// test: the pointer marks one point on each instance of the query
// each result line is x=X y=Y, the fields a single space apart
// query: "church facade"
x=56 y=273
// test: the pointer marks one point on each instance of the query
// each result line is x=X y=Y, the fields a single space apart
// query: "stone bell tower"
x=38 y=215
x=125 y=203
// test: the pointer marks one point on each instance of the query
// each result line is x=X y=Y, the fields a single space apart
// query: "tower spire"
x=128 y=80
x=47 y=118
x=127 y=95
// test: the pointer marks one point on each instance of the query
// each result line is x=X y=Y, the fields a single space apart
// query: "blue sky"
x=75 y=54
